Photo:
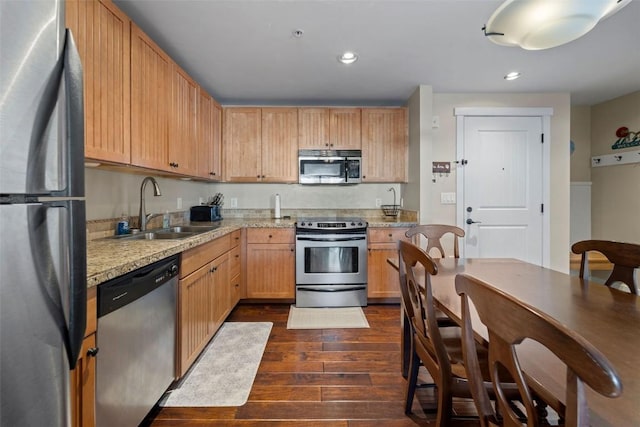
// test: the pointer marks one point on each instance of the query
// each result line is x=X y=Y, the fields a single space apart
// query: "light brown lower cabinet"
x=83 y=377
x=270 y=263
x=205 y=296
x=383 y=244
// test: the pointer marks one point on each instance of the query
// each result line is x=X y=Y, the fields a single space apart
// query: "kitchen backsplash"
x=97 y=229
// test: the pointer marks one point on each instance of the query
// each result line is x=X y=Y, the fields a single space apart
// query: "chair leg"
x=412 y=380
x=445 y=406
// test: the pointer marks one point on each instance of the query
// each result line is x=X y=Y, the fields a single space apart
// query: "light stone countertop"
x=110 y=258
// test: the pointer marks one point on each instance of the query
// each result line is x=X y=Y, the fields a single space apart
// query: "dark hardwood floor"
x=328 y=377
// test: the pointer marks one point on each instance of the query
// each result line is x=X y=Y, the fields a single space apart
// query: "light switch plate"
x=448 y=198
x=234 y=202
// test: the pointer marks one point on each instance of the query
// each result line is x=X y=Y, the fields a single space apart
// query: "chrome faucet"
x=144 y=218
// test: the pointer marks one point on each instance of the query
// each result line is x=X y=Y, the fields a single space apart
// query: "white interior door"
x=502 y=188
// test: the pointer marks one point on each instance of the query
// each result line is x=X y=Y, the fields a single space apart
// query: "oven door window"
x=331 y=260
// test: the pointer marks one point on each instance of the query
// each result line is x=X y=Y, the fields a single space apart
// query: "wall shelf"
x=623 y=158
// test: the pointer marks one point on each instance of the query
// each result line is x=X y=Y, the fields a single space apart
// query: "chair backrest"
x=625 y=258
x=509 y=322
x=420 y=297
x=433 y=234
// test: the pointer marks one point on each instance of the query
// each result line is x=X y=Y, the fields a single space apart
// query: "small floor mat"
x=326 y=318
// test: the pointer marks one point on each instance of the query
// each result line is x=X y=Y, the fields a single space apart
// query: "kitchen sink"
x=155 y=235
x=192 y=228
x=177 y=232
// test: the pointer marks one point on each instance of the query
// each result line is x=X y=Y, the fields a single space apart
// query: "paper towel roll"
x=277 y=210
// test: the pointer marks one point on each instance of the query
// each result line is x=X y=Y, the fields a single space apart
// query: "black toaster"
x=205 y=213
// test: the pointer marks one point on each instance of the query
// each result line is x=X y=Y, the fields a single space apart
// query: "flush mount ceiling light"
x=512 y=75
x=348 y=58
x=543 y=24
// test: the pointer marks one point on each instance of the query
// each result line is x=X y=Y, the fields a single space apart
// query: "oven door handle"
x=326 y=289
x=329 y=239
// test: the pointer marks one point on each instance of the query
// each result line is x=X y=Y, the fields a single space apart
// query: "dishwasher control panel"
x=129 y=287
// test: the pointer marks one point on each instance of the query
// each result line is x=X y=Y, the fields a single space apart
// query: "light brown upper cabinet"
x=279 y=145
x=260 y=144
x=101 y=32
x=242 y=134
x=151 y=86
x=183 y=140
x=210 y=138
x=329 y=128
x=384 y=145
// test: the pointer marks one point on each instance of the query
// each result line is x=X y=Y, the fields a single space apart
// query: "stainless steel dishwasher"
x=136 y=336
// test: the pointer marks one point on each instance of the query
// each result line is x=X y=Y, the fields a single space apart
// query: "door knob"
x=470 y=221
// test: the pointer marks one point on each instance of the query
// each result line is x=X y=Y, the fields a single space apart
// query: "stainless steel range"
x=331 y=262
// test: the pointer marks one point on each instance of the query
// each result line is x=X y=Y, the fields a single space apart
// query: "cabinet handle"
x=212 y=173
x=237 y=256
x=237 y=285
x=262 y=176
x=364 y=177
x=213 y=269
x=92 y=352
x=270 y=236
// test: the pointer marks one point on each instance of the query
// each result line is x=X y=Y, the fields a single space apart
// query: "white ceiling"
x=243 y=51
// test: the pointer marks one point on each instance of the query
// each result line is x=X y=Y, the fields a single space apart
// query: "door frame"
x=545 y=114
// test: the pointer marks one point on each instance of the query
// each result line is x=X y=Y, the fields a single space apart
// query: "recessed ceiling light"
x=297 y=33
x=512 y=75
x=348 y=58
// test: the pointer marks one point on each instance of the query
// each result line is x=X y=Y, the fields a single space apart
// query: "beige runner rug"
x=224 y=373
x=326 y=318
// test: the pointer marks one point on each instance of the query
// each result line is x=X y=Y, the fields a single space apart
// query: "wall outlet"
x=234 y=202
x=378 y=203
x=179 y=203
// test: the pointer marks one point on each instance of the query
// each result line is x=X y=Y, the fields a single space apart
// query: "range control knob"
x=302 y=224
x=353 y=223
x=360 y=224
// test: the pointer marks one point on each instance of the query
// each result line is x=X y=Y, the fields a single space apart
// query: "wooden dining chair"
x=509 y=322
x=438 y=348
x=434 y=233
x=625 y=258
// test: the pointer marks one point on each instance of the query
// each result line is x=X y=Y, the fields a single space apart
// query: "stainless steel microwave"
x=330 y=166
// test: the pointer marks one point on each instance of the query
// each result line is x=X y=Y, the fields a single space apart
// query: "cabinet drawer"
x=234 y=261
x=270 y=235
x=387 y=235
x=235 y=238
x=200 y=255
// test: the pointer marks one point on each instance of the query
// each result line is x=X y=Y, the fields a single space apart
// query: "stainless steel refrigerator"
x=42 y=213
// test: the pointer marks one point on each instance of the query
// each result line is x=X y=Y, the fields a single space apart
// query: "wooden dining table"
x=606 y=317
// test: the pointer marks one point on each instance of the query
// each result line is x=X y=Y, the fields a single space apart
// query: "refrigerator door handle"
x=78 y=282
x=74 y=117
x=75 y=258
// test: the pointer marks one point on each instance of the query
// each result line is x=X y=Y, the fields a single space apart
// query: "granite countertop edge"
x=111 y=258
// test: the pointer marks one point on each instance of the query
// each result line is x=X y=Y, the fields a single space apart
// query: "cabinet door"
x=279 y=145
x=384 y=145
x=183 y=120
x=270 y=270
x=383 y=279
x=151 y=83
x=219 y=296
x=101 y=32
x=344 y=129
x=313 y=128
x=83 y=386
x=235 y=291
x=193 y=315
x=242 y=136
x=205 y=135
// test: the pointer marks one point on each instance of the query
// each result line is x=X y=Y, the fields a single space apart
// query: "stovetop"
x=328 y=223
